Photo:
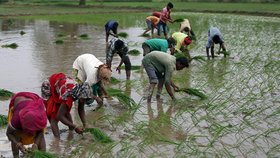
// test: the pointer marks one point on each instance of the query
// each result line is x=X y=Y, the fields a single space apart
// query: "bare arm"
x=169 y=90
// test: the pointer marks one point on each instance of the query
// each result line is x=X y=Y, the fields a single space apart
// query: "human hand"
x=99 y=101
x=21 y=147
x=118 y=69
x=176 y=89
x=79 y=130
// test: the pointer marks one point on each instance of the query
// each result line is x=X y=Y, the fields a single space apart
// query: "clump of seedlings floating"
x=3 y=120
x=123 y=34
x=198 y=58
x=59 y=41
x=134 y=52
x=22 y=33
x=5 y=94
x=145 y=35
x=99 y=135
x=193 y=91
x=12 y=45
x=133 y=67
x=84 y=36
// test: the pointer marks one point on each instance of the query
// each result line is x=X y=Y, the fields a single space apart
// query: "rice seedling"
x=134 y=52
x=12 y=45
x=193 y=91
x=59 y=41
x=145 y=35
x=5 y=94
x=22 y=33
x=123 y=34
x=198 y=58
x=123 y=98
x=133 y=67
x=3 y=120
x=84 y=36
x=39 y=154
x=226 y=53
x=114 y=80
x=60 y=35
x=99 y=135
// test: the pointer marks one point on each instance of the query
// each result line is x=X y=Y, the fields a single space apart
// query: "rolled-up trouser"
x=146 y=49
x=154 y=76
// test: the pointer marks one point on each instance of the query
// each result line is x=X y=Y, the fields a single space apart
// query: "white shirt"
x=87 y=66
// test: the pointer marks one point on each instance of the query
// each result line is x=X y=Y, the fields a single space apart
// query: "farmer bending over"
x=87 y=68
x=159 y=67
x=152 y=22
x=185 y=26
x=159 y=45
x=214 y=37
x=111 y=28
x=119 y=47
x=27 y=120
x=64 y=91
x=182 y=41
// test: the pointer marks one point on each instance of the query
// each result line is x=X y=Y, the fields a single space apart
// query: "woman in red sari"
x=27 y=121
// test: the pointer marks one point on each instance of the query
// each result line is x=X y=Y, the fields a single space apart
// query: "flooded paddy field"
x=239 y=118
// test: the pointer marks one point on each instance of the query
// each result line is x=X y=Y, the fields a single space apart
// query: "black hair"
x=183 y=61
x=216 y=39
x=171 y=41
x=170 y=5
x=119 y=44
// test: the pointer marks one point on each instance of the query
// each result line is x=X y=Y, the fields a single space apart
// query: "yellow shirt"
x=179 y=38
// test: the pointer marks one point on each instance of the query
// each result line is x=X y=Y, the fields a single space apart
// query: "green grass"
x=5 y=94
x=99 y=135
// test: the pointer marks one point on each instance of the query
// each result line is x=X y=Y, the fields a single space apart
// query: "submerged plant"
x=134 y=52
x=3 y=120
x=13 y=45
x=193 y=91
x=99 y=135
x=5 y=94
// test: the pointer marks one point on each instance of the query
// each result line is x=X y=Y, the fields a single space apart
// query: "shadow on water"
x=239 y=118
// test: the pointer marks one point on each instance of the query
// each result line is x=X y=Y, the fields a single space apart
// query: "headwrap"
x=187 y=40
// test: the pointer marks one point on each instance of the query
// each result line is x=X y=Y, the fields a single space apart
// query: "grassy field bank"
x=71 y=7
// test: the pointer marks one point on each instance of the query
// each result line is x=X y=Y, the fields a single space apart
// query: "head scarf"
x=33 y=116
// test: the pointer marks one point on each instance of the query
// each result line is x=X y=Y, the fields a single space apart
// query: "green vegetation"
x=114 y=80
x=39 y=154
x=123 y=98
x=22 y=32
x=12 y=45
x=122 y=34
x=59 y=41
x=84 y=36
x=134 y=52
x=193 y=91
x=5 y=94
x=99 y=135
x=133 y=67
x=3 y=120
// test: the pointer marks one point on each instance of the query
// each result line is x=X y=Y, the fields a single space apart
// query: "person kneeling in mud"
x=159 y=67
x=87 y=68
x=118 y=46
x=63 y=92
x=27 y=120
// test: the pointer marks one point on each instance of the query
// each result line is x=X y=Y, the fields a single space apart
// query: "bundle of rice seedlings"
x=123 y=34
x=59 y=41
x=13 y=45
x=3 y=120
x=5 y=94
x=133 y=67
x=193 y=91
x=123 y=98
x=198 y=58
x=226 y=53
x=134 y=52
x=145 y=35
x=178 y=20
x=22 y=33
x=99 y=135
x=84 y=36
x=114 y=80
x=39 y=154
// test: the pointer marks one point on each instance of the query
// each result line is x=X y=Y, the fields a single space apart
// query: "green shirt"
x=162 y=63
x=157 y=44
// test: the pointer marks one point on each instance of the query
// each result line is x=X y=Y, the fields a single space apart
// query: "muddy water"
x=240 y=117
